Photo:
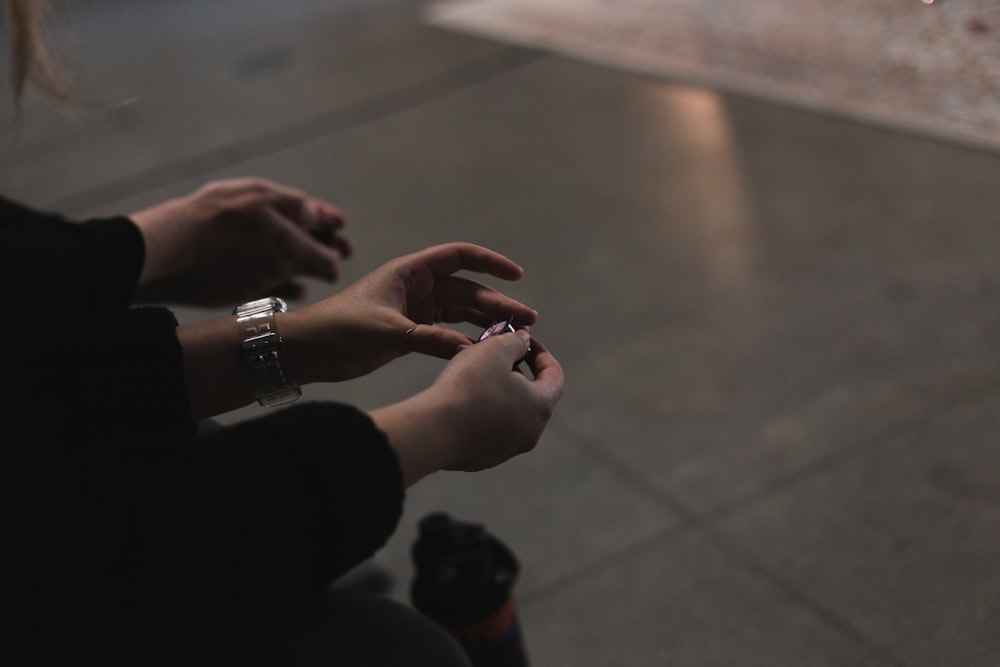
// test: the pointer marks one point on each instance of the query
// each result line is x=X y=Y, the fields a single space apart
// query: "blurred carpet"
x=921 y=65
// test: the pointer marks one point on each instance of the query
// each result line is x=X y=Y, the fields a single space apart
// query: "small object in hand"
x=502 y=326
x=327 y=235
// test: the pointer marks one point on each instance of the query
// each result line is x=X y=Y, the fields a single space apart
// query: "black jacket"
x=123 y=522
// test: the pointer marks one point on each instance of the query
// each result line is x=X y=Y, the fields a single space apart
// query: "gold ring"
x=406 y=336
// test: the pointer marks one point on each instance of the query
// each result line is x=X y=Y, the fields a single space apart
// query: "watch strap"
x=263 y=352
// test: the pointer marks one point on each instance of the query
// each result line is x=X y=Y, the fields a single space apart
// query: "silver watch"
x=263 y=352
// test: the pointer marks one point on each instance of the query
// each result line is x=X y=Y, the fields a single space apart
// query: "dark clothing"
x=351 y=629
x=124 y=526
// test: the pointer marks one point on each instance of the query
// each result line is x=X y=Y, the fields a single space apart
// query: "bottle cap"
x=464 y=574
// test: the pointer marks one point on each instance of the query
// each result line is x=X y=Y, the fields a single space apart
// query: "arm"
x=128 y=369
x=231 y=528
x=477 y=414
x=230 y=241
x=68 y=267
x=361 y=328
x=286 y=502
x=261 y=515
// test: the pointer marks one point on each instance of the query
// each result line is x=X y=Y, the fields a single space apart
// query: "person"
x=133 y=537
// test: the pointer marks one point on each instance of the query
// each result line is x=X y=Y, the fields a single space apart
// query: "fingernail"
x=523 y=335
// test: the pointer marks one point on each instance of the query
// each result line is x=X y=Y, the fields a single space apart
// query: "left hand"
x=365 y=326
x=238 y=239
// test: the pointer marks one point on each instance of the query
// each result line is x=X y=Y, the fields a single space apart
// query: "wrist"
x=163 y=236
x=418 y=431
x=294 y=328
x=262 y=352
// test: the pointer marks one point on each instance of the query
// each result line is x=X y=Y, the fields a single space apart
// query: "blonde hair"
x=30 y=57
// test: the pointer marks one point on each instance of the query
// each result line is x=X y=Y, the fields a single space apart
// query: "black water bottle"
x=464 y=578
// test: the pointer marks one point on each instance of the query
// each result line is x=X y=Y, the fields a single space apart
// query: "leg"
x=352 y=629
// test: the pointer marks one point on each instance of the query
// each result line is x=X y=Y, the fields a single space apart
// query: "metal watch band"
x=263 y=352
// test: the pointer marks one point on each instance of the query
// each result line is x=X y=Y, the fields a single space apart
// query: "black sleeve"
x=73 y=267
x=107 y=375
x=79 y=350
x=121 y=516
x=255 y=518
x=207 y=535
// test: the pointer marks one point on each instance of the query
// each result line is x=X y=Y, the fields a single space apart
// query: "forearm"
x=214 y=374
x=287 y=501
x=74 y=267
x=418 y=430
x=107 y=376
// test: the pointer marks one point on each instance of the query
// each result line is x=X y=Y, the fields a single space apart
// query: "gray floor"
x=779 y=439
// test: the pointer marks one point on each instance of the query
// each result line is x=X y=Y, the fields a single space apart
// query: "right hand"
x=503 y=412
x=478 y=413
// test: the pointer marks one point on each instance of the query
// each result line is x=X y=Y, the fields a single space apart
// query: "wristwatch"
x=263 y=352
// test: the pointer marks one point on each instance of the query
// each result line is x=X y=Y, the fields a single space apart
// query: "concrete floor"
x=779 y=439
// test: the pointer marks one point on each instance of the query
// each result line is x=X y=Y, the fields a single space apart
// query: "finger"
x=329 y=214
x=464 y=314
x=549 y=376
x=290 y=202
x=434 y=341
x=331 y=238
x=319 y=261
x=325 y=222
x=472 y=316
x=517 y=343
x=449 y=258
x=331 y=235
x=320 y=217
x=309 y=212
x=513 y=346
x=462 y=300
x=310 y=257
x=344 y=246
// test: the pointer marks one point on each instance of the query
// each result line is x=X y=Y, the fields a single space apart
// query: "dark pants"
x=354 y=629
x=346 y=628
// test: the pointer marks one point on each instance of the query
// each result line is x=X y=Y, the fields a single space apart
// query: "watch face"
x=498 y=327
x=271 y=304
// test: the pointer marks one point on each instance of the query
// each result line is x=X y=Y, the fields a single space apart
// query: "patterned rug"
x=927 y=66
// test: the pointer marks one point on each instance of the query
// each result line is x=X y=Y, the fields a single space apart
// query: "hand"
x=393 y=311
x=503 y=412
x=478 y=413
x=235 y=240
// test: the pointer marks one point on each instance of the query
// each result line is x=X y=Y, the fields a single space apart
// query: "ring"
x=406 y=337
x=438 y=315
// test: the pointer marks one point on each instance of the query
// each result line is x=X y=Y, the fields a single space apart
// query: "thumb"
x=515 y=346
x=434 y=341
x=317 y=259
x=524 y=340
